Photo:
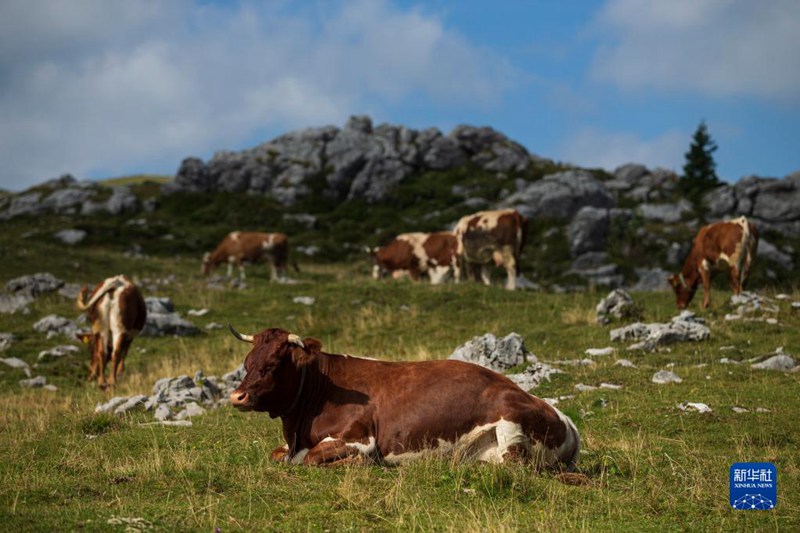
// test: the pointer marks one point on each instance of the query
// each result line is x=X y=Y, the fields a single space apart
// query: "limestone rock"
x=493 y=353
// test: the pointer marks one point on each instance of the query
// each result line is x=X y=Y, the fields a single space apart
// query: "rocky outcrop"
x=357 y=161
x=493 y=353
x=66 y=196
x=163 y=320
x=772 y=203
x=559 y=196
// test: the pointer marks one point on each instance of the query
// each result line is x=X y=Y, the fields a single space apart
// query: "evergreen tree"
x=699 y=173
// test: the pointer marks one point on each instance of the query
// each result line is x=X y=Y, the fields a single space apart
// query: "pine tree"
x=699 y=173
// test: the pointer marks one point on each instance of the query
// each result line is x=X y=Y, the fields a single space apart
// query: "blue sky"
x=104 y=88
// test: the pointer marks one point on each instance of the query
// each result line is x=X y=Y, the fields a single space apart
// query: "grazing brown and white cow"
x=730 y=244
x=339 y=408
x=239 y=247
x=492 y=237
x=117 y=313
x=433 y=254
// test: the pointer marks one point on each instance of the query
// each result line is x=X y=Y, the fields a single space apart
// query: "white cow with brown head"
x=117 y=313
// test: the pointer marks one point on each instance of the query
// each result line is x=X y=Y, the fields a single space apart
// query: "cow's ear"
x=673 y=280
x=83 y=337
x=312 y=345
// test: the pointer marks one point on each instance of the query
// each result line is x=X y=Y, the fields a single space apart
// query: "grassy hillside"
x=651 y=466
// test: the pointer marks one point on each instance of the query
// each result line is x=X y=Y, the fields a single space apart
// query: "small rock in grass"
x=663 y=377
x=130 y=404
x=305 y=300
x=34 y=383
x=596 y=352
x=110 y=404
x=197 y=312
x=15 y=362
x=58 y=351
x=626 y=363
x=694 y=406
x=580 y=387
x=162 y=413
x=612 y=386
x=777 y=362
x=739 y=410
x=192 y=409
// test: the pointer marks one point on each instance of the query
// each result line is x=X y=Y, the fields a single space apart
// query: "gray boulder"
x=779 y=361
x=493 y=353
x=686 y=327
x=663 y=377
x=650 y=279
x=58 y=351
x=17 y=363
x=533 y=375
x=35 y=284
x=12 y=303
x=70 y=236
x=559 y=196
x=667 y=213
x=6 y=340
x=770 y=252
x=618 y=304
x=34 y=383
x=53 y=325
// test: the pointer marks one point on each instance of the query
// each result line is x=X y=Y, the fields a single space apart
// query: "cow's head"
x=206 y=266
x=684 y=292
x=378 y=271
x=275 y=368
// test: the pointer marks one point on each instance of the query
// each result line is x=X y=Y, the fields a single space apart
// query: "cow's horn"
x=243 y=338
x=295 y=339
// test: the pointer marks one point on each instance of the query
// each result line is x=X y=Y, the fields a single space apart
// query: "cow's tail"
x=108 y=285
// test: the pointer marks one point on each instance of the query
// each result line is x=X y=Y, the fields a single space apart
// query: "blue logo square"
x=754 y=486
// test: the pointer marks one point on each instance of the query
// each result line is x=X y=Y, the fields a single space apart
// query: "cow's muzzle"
x=241 y=400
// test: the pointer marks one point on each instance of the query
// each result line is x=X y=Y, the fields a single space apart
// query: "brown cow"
x=433 y=254
x=340 y=408
x=730 y=244
x=117 y=313
x=492 y=237
x=240 y=246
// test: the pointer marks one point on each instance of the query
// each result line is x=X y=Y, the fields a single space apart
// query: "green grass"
x=652 y=467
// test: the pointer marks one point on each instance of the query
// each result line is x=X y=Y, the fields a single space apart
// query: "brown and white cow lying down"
x=433 y=254
x=731 y=244
x=490 y=237
x=117 y=312
x=337 y=408
x=250 y=246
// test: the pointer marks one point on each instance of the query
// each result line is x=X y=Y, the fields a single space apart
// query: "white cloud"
x=716 y=47
x=105 y=86
x=593 y=148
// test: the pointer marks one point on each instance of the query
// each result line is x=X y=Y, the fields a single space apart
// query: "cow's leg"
x=475 y=270
x=280 y=454
x=511 y=268
x=736 y=283
x=485 y=277
x=328 y=451
x=705 y=276
x=121 y=346
x=242 y=275
x=745 y=273
x=93 y=366
x=101 y=368
x=231 y=259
